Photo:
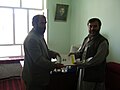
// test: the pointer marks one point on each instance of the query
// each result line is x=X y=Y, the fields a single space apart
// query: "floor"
x=11 y=84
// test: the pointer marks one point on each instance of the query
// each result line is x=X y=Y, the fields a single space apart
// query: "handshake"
x=71 y=60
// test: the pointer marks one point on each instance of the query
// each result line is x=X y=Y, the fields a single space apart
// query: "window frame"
x=28 y=26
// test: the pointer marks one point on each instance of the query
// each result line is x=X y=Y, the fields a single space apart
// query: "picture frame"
x=61 y=12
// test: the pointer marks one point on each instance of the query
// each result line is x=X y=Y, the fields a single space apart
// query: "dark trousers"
x=35 y=86
x=92 y=86
x=32 y=87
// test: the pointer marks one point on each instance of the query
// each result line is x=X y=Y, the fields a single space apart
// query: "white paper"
x=65 y=59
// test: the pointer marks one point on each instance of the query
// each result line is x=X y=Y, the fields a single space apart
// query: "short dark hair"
x=93 y=20
x=36 y=19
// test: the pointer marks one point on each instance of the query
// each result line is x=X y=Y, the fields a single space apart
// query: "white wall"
x=109 y=13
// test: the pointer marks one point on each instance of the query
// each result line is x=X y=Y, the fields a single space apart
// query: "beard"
x=94 y=33
x=41 y=30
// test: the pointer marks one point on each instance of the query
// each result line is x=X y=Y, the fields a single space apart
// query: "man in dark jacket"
x=92 y=54
x=37 y=62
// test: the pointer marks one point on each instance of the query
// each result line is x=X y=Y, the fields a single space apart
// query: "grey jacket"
x=37 y=64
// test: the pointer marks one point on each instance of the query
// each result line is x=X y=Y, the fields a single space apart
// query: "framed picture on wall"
x=61 y=12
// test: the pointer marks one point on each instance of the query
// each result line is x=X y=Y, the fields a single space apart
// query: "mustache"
x=93 y=33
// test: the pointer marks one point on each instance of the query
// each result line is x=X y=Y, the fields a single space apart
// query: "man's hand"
x=53 y=54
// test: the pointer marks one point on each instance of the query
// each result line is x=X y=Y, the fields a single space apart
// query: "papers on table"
x=66 y=60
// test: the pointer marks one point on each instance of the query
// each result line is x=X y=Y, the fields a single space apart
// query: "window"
x=10 y=3
x=15 y=23
x=32 y=4
x=6 y=26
